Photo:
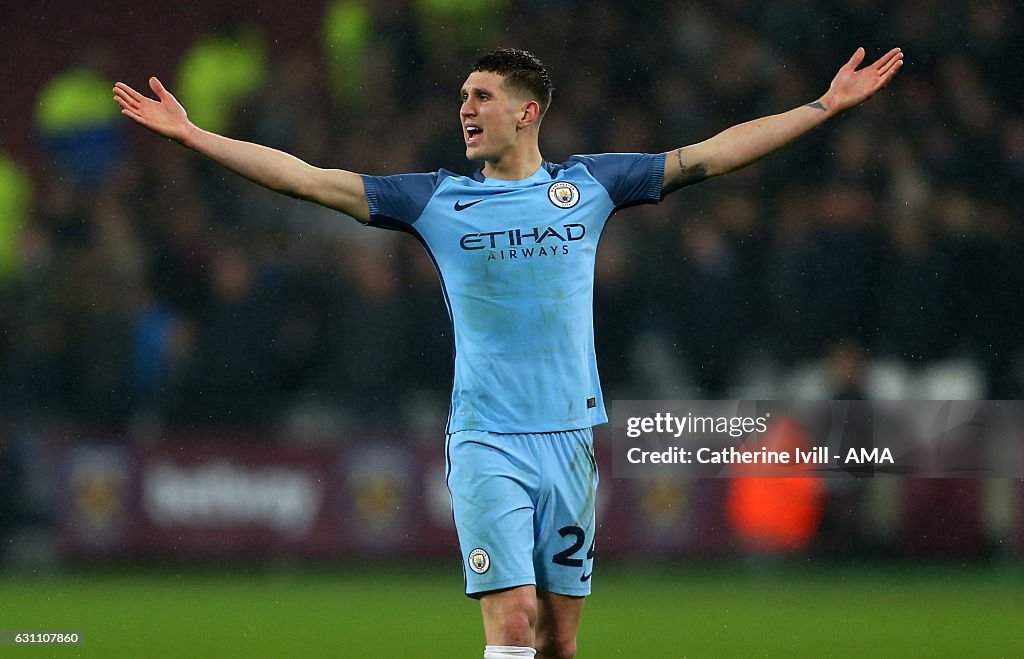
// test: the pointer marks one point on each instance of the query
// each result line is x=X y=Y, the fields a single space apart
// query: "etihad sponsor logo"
x=513 y=253
x=519 y=237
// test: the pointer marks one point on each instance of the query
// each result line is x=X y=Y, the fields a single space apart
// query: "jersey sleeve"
x=396 y=202
x=629 y=178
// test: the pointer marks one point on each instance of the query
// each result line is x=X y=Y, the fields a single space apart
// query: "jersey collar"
x=543 y=173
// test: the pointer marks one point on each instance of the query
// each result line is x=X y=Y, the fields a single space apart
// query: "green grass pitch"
x=635 y=613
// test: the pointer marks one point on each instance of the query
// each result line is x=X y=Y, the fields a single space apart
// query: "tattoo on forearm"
x=816 y=105
x=692 y=174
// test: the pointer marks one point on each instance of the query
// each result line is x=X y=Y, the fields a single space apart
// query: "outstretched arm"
x=745 y=143
x=279 y=171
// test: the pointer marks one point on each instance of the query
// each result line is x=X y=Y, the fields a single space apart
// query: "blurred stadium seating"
x=172 y=304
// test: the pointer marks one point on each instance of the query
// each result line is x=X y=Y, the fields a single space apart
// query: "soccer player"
x=514 y=245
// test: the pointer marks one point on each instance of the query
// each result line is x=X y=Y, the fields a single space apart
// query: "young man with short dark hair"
x=515 y=245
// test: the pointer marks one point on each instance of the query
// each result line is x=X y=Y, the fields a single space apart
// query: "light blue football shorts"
x=524 y=509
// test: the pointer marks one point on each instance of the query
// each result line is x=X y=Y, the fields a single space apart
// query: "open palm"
x=851 y=87
x=165 y=116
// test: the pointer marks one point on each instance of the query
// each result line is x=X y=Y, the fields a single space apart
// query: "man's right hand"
x=279 y=171
x=166 y=116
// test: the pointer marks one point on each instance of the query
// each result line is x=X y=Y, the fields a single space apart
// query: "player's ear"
x=530 y=113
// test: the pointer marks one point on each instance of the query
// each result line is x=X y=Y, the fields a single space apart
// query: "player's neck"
x=514 y=166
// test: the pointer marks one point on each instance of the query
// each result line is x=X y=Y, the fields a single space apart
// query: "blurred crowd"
x=143 y=288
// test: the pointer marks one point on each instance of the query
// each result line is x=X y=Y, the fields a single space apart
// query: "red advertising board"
x=385 y=497
x=229 y=499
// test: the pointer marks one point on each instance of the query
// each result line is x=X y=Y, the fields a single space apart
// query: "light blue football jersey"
x=516 y=261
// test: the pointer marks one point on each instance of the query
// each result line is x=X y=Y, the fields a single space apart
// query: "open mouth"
x=473 y=134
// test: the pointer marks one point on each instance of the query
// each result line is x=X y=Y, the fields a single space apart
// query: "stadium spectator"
x=80 y=134
x=347 y=28
x=15 y=206
x=231 y=380
x=221 y=70
x=841 y=532
x=458 y=27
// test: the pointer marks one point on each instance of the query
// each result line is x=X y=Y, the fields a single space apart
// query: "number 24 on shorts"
x=565 y=557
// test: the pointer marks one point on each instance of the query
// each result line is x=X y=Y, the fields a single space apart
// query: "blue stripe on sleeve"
x=629 y=178
x=398 y=200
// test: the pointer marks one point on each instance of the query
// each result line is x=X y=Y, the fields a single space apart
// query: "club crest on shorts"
x=563 y=194
x=479 y=561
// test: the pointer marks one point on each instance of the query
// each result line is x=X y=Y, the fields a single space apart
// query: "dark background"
x=157 y=298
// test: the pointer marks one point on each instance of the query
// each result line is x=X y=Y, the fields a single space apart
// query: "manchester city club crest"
x=479 y=561
x=564 y=194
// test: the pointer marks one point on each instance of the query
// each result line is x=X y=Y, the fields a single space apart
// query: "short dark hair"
x=521 y=70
